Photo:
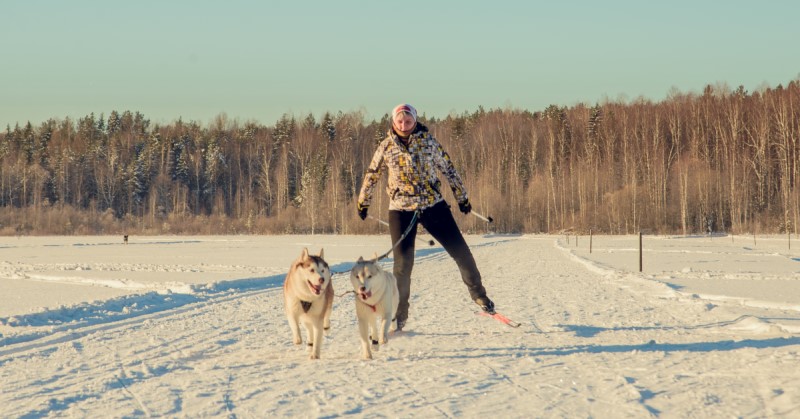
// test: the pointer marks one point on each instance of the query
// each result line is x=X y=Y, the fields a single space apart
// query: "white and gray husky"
x=377 y=298
x=308 y=299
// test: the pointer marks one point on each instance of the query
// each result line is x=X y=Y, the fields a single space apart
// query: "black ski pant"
x=439 y=222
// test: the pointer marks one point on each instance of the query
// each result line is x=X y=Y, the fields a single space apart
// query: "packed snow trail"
x=611 y=344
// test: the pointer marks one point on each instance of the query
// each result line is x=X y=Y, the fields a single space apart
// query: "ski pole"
x=488 y=220
x=378 y=220
x=430 y=242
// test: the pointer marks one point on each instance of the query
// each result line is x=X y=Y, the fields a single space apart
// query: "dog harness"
x=306 y=305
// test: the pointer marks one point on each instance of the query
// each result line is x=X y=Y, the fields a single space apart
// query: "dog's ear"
x=304 y=255
x=360 y=259
x=375 y=256
x=321 y=253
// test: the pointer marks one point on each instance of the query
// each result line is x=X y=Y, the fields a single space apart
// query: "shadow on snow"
x=591 y=331
x=131 y=306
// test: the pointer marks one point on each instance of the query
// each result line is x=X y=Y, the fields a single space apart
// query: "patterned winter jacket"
x=413 y=182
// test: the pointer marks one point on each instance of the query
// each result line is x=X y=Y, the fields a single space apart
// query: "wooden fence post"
x=640 y=251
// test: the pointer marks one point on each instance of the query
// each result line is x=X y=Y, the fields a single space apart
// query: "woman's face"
x=404 y=122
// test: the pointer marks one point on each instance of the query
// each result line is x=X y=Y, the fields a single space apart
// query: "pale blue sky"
x=256 y=60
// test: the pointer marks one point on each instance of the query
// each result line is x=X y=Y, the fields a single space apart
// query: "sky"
x=258 y=60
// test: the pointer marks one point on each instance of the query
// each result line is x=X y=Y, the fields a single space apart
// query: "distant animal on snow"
x=377 y=299
x=308 y=299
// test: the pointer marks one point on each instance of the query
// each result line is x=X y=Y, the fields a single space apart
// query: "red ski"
x=501 y=318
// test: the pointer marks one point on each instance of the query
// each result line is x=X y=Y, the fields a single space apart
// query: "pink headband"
x=404 y=107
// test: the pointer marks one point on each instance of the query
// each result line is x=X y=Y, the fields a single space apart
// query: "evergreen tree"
x=182 y=170
x=140 y=175
x=43 y=149
x=28 y=144
x=214 y=165
x=328 y=127
x=310 y=123
x=114 y=123
x=284 y=131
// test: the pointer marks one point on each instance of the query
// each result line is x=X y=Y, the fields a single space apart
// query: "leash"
x=383 y=256
x=413 y=224
x=402 y=237
x=429 y=242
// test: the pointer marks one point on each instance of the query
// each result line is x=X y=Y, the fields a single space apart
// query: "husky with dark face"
x=308 y=298
x=377 y=297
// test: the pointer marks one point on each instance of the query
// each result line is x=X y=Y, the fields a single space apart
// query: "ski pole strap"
x=405 y=234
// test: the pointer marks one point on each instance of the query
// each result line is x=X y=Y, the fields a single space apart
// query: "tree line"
x=724 y=160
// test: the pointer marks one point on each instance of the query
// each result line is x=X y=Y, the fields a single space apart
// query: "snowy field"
x=194 y=327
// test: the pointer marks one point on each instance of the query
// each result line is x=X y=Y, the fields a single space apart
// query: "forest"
x=724 y=160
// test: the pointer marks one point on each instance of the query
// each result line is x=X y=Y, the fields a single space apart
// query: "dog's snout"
x=321 y=280
x=362 y=289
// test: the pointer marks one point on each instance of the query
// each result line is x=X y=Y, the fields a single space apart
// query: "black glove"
x=465 y=207
x=362 y=212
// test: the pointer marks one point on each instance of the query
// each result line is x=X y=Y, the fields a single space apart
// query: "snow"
x=194 y=327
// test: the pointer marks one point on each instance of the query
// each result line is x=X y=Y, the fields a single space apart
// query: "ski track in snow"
x=612 y=344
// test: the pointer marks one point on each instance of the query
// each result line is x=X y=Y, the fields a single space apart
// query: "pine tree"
x=114 y=123
x=214 y=167
x=28 y=144
x=43 y=149
x=182 y=171
x=328 y=127
x=284 y=131
x=140 y=175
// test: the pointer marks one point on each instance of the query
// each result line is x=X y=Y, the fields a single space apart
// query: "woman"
x=413 y=156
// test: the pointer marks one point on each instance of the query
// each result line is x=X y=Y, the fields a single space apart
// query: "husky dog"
x=308 y=298
x=376 y=296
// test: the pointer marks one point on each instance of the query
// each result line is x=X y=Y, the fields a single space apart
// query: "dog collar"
x=374 y=309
